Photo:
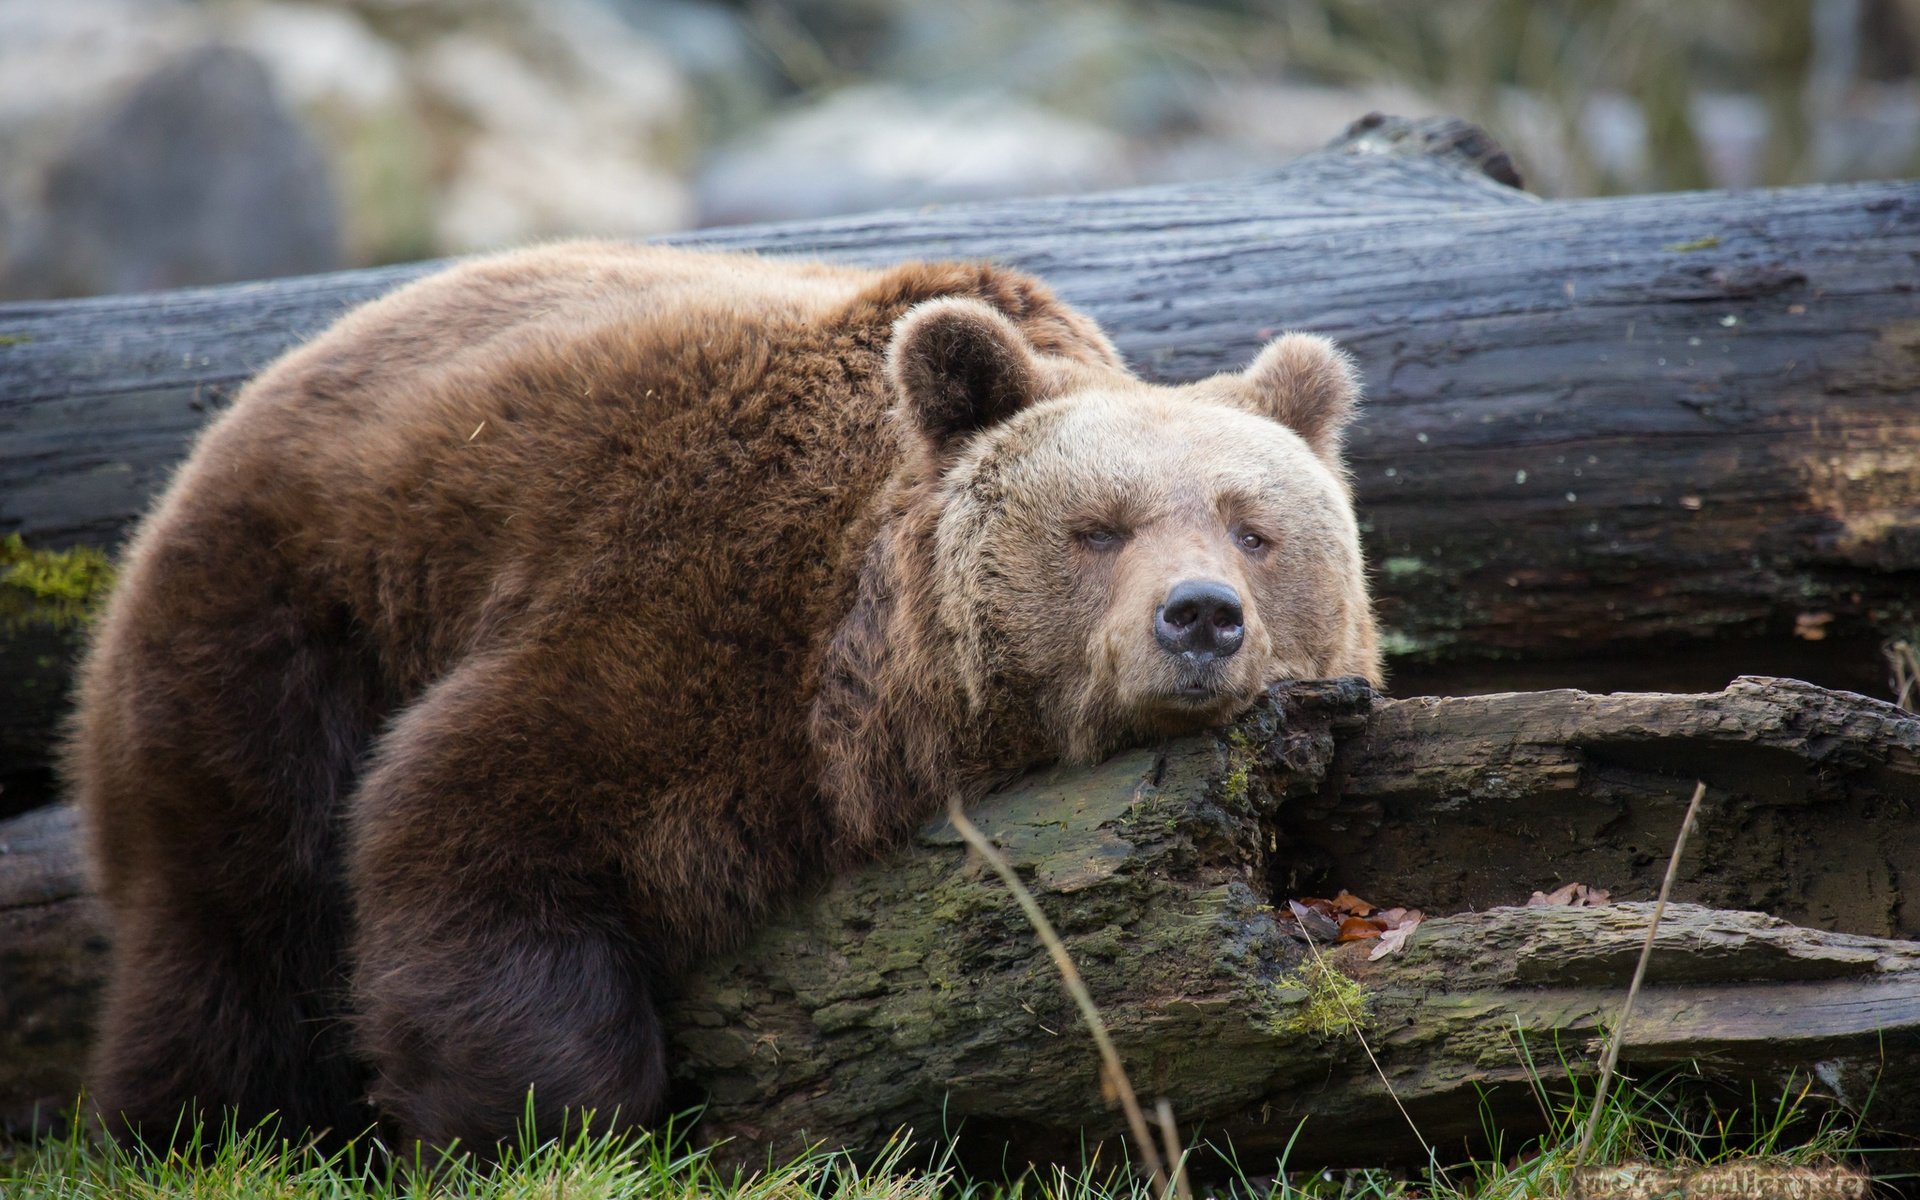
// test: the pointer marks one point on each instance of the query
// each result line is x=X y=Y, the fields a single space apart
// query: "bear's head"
x=1112 y=559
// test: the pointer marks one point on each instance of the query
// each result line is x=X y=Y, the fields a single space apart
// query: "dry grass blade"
x=1903 y=660
x=1116 y=1075
x=1612 y=1056
x=1170 y=1134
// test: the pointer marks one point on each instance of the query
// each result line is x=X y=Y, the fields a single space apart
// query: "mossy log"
x=1642 y=441
x=47 y=599
x=913 y=993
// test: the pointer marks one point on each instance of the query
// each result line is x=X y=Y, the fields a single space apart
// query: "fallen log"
x=912 y=993
x=1599 y=432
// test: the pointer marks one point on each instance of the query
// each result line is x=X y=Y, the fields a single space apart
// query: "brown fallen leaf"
x=1347 y=918
x=1359 y=929
x=1812 y=626
x=1351 y=904
x=1572 y=895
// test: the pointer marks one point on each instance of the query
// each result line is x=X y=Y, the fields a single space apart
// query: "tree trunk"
x=1628 y=442
x=912 y=993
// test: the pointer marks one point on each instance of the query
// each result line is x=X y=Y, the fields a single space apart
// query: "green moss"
x=1700 y=243
x=61 y=588
x=15 y=339
x=1334 y=1004
x=1238 y=776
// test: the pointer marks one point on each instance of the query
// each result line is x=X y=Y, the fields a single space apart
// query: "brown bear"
x=539 y=625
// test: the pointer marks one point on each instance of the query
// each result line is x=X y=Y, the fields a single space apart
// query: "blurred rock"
x=881 y=146
x=1102 y=63
x=466 y=125
x=1873 y=132
x=570 y=126
x=200 y=173
x=141 y=154
x=735 y=76
x=352 y=86
x=1734 y=128
x=156 y=143
x=325 y=55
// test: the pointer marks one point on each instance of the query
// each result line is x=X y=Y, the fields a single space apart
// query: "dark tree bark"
x=913 y=992
x=53 y=961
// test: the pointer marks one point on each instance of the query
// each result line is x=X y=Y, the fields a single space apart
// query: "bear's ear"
x=1308 y=384
x=959 y=366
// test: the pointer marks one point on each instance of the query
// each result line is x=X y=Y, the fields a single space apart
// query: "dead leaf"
x=1392 y=941
x=1347 y=902
x=1358 y=929
x=1812 y=626
x=1347 y=918
x=1572 y=895
x=1561 y=895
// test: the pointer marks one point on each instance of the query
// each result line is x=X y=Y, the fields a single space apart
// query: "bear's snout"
x=1200 y=621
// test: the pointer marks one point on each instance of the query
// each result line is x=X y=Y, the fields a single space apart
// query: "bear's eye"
x=1249 y=541
x=1101 y=539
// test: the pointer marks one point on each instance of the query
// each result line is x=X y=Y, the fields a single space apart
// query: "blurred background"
x=161 y=143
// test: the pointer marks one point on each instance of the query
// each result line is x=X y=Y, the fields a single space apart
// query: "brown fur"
x=540 y=625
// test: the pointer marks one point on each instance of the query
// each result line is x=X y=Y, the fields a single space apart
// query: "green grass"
x=1667 y=1122
x=580 y=1166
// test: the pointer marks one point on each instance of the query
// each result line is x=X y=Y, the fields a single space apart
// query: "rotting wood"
x=1812 y=817
x=912 y=993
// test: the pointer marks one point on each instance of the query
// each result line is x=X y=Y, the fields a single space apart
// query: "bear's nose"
x=1200 y=621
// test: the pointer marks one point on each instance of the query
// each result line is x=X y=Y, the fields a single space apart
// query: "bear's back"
x=452 y=462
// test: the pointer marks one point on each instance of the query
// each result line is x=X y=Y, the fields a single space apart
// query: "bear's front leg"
x=496 y=948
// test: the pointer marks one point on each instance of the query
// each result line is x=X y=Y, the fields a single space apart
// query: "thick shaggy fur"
x=541 y=624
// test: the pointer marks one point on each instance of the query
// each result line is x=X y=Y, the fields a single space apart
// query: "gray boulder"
x=140 y=153
x=197 y=174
